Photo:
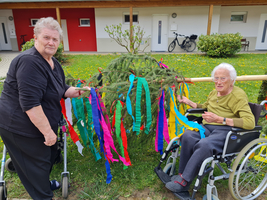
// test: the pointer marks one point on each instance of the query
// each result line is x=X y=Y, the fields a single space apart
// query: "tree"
x=123 y=38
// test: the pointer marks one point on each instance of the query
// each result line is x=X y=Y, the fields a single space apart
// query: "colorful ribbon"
x=128 y=100
x=162 y=126
x=74 y=136
x=142 y=82
x=185 y=122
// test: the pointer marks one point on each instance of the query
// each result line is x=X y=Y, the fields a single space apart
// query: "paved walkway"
x=6 y=58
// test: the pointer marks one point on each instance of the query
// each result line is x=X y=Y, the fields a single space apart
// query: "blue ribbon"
x=128 y=100
x=161 y=124
x=186 y=121
x=74 y=107
x=96 y=117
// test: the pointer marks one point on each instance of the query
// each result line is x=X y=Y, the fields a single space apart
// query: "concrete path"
x=6 y=58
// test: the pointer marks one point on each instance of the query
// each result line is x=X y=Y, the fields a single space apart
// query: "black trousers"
x=33 y=161
x=195 y=150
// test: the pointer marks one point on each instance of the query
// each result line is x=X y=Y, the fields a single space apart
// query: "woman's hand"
x=183 y=99
x=211 y=117
x=50 y=139
x=73 y=92
x=39 y=119
x=83 y=91
x=186 y=101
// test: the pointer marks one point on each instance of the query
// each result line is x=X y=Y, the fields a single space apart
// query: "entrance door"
x=65 y=35
x=261 y=43
x=5 y=43
x=159 y=33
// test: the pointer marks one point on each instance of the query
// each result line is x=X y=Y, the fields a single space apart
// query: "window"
x=34 y=21
x=126 y=18
x=239 y=17
x=84 y=22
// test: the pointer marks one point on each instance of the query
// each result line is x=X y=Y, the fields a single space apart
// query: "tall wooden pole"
x=58 y=15
x=210 y=19
x=131 y=29
x=59 y=21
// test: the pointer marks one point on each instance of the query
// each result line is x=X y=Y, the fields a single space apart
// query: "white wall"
x=189 y=20
x=11 y=32
x=248 y=29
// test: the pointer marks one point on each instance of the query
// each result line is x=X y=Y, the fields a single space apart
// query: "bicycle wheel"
x=171 y=46
x=190 y=46
x=21 y=45
x=249 y=176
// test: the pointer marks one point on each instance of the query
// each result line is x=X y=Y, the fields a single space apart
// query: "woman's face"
x=223 y=81
x=47 y=42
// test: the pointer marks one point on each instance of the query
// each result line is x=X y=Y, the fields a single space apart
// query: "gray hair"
x=227 y=66
x=50 y=23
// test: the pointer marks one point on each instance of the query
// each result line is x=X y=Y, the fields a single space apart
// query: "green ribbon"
x=81 y=119
x=142 y=82
x=118 y=128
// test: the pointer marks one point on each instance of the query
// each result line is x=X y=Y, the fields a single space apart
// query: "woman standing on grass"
x=30 y=109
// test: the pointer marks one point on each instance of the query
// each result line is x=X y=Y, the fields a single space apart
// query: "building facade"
x=84 y=28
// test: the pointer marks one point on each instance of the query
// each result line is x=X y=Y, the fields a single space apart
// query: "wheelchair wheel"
x=9 y=165
x=65 y=186
x=167 y=169
x=3 y=193
x=249 y=176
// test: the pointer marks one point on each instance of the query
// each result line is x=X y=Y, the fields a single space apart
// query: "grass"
x=87 y=176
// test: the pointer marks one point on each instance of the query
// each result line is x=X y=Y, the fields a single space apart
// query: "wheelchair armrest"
x=196 y=110
x=235 y=129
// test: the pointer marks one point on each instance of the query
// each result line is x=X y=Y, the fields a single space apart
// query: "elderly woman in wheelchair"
x=226 y=107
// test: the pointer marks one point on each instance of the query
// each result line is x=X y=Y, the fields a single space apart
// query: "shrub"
x=58 y=55
x=220 y=45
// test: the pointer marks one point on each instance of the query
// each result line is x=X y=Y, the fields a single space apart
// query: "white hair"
x=48 y=22
x=227 y=66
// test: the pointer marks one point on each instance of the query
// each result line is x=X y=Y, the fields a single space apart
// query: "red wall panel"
x=22 y=20
x=80 y=38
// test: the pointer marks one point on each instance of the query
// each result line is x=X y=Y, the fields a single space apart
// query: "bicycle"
x=188 y=43
x=23 y=41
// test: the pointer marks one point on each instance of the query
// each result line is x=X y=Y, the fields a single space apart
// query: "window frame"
x=84 y=25
x=32 y=21
x=239 y=13
x=127 y=13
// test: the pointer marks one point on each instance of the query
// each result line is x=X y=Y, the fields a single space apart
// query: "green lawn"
x=88 y=176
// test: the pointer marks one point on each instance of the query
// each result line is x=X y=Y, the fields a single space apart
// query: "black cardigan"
x=31 y=82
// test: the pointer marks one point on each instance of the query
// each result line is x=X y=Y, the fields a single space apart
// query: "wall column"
x=131 y=30
x=210 y=19
x=58 y=15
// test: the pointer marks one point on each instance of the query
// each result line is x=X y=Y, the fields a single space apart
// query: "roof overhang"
x=31 y=4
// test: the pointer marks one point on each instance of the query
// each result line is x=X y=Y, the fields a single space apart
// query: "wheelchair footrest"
x=182 y=195
x=165 y=178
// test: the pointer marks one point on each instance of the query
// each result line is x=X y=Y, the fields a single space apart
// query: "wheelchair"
x=62 y=145
x=243 y=161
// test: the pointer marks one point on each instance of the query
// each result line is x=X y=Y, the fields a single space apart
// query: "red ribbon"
x=74 y=136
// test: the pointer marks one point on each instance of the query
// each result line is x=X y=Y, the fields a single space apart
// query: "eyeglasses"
x=222 y=79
